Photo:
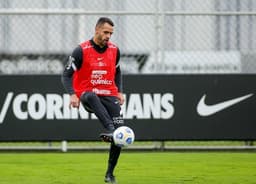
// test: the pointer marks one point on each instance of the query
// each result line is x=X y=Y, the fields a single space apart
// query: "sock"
x=114 y=154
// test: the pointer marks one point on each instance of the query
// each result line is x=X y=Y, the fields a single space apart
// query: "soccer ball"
x=123 y=136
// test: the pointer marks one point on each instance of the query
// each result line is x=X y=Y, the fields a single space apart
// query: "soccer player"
x=92 y=76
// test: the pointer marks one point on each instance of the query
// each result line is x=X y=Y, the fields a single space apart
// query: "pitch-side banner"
x=158 y=107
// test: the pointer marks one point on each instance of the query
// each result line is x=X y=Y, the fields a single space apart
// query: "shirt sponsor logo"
x=101 y=81
x=99 y=72
x=97 y=78
x=101 y=91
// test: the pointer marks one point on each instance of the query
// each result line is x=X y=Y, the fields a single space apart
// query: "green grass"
x=136 y=143
x=133 y=168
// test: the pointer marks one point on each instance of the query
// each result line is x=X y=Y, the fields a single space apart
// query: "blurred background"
x=154 y=37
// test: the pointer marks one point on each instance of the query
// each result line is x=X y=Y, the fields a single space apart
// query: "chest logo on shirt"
x=98 y=78
x=99 y=62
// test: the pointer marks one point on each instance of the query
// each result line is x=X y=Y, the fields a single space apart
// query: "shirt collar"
x=97 y=47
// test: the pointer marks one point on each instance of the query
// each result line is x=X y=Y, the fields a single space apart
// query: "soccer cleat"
x=110 y=179
x=107 y=136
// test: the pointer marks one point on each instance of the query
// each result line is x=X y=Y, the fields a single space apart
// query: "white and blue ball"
x=123 y=136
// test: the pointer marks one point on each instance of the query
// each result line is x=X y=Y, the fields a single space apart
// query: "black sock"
x=114 y=154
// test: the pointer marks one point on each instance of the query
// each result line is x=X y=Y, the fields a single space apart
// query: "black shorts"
x=111 y=104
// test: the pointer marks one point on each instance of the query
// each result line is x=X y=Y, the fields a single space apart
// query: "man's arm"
x=118 y=79
x=74 y=63
x=118 y=76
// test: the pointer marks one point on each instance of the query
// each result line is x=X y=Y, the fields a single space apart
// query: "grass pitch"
x=133 y=168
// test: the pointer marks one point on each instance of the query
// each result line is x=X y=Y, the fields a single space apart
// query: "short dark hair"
x=103 y=20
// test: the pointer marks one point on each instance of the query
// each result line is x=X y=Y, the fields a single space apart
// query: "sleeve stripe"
x=73 y=66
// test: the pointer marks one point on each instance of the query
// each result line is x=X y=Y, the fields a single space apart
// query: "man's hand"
x=74 y=101
x=120 y=97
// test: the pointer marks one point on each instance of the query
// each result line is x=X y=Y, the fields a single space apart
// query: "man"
x=92 y=76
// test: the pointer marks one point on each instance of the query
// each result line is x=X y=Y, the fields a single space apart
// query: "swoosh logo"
x=207 y=110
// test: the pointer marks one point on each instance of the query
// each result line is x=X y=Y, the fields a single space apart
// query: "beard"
x=105 y=41
x=101 y=41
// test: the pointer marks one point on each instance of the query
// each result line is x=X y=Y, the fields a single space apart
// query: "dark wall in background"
x=158 y=107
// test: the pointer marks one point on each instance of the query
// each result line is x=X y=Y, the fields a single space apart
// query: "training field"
x=133 y=168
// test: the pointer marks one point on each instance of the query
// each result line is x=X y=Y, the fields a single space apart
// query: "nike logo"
x=100 y=58
x=207 y=110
